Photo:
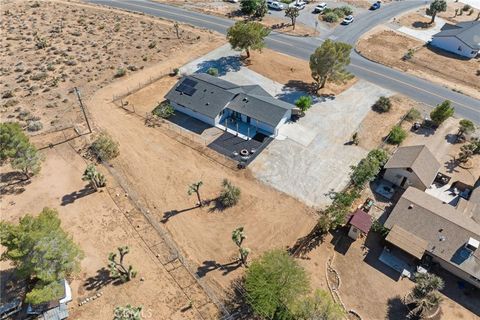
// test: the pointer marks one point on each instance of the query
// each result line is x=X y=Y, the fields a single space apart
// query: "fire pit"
x=244 y=152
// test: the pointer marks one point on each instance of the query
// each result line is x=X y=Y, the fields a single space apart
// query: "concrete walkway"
x=424 y=35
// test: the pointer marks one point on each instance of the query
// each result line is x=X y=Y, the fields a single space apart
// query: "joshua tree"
x=466 y=126
x=230 y=194
x=435 y=7
x=292 y=13
x=176 y=26
x=195 y=188
x=118 y=269
x=238 y=236
x=96 y=179
x=244 y=255
x=424 y=296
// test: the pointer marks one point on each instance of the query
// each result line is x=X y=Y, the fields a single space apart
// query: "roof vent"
x=442 y=238
x=245 y=99
x=208 y=103
x=472 y=244
x=410 y=206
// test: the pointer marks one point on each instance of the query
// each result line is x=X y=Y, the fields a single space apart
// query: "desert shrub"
x=396 y=135
x=408 y=55
x=304 y=103
x=213 y=72
x=330 y=17
x=470 y=12
x=346 y=10
x=442 y=112
x=39 y=76
x=7 y=94
x=230 y=194
x=152 y=45
x=175 y=71
x=34 y=126
x=467 y=7
x=105 y=148
x=383 y=104
x=120 y=72
x=116 y=28
x=412 y=115
x=164 y=110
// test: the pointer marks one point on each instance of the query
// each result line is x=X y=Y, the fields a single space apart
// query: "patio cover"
x=407 y=241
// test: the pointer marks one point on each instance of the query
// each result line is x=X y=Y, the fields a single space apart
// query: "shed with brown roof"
x=412 y=166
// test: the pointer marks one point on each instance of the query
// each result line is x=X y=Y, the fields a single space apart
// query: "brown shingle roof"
x=422 y=162
x=444 y=228
x=361 y=220
x=407 y=242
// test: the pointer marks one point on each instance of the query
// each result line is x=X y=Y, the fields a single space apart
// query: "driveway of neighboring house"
x=424 y=35
x=311 y=156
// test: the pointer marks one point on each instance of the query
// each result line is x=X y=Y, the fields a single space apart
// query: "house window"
x=459 y=48
x=473 y=52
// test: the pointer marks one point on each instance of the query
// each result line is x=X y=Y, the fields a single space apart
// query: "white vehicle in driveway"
x=275 y=5
x=348 y=19
x=299 y=4
x=320 y=7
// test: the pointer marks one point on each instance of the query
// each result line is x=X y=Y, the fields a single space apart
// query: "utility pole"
x=83 y=108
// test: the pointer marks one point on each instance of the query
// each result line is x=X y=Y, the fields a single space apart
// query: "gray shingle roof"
x=419 y=158
x=468 y=32
x=212 y=95
x=444 y=228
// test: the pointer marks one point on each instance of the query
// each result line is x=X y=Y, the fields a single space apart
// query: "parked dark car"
x=375 y=6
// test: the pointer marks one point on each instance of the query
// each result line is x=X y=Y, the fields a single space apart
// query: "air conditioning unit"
x=472 y=244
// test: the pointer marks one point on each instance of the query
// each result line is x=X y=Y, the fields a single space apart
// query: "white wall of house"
x=455 y=271
x=396 y=176
x=354 y=233
x=454 y=45
x=194 y=114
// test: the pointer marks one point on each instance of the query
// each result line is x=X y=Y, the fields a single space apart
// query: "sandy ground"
x=415 y=20
x=450 y=13
x=388 y=47
x=85 y=53
x=99 y=226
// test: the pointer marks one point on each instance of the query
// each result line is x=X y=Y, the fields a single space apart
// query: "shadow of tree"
x=172 y=213
x=100 y=280
x=396 y=309
x=72 y=197
x=211 y=265
x=451 y=165
x=13 y=182
x=306 y=244
x=236 y=302
x=223 y=65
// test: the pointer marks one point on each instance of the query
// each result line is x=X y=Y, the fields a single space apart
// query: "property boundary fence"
x=139 y=86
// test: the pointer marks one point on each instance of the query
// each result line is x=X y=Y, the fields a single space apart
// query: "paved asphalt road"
x=301 y=47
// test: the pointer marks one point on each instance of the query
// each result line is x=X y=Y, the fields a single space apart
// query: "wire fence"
x=139 y=86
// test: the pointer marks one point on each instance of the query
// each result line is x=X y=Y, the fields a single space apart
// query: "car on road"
x=299 y=4
x=348 y=19
x=320 y=7
x=376 y=5
x=275 y=5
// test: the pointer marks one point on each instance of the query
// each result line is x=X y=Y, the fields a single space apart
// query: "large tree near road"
x=328 y=63
x=435 y=7
x=292 y=13
x=247 y=35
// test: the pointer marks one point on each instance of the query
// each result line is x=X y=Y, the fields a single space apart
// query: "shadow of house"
x=72 y=197
x=341 y=242
x=189 y=123
x=211 y=265
x=223 y=65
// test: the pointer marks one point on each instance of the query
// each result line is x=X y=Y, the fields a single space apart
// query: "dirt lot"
x=450 y=13
x=84 y=47
x=291 y=71
x=415 y=20
x=388 y=47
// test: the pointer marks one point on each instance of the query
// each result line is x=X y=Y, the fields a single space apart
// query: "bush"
x=412 y=115
x=230 y=194
x=213 y=72
x=175 y=71
x=105 y=148
x=304 y=103
x=368 y=168
x=442 y=112
x=467 y=7
x=383 y=104
x=164 y=110
x=330 y=17
x=34 y=126
x=120 y=72
x=396 y=135
x=346 y=10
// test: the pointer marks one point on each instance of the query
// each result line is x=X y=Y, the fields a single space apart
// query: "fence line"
x=139 y=86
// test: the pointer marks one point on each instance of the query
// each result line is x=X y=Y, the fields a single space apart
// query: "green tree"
x=319 y=306
x=117 y=268
x=28 y=160
x=274 y=283
x=12 y=139
x=292 y=13
x=425 y=297
x=328 y=63
x=105 y=148
x=368 y=168
x=195 y=188
x=383 y=104
x=330 y=17
x=42 y=252
x=255 y=8
x=396 y=135
x=230 y=194
x=212 y=71
x=95 y=178
x=247 y=36
x=164 y=110
x=127 y=312
x=442 y=112
x=304 y=103
x=334 y=215
x=465 y=126
x=435 y=7
x=468 y=150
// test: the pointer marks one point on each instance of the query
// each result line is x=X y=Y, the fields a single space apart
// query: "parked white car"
x=348 y=19
x=275 y=5
x=320 y=7
x=299 y=4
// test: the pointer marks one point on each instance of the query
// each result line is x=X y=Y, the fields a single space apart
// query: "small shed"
x=360 y=223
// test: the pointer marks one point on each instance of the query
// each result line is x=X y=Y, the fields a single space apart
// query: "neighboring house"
x=412 y=166
x=53 y=310
x=245 y=110
x=462 y=39
x=430 y=230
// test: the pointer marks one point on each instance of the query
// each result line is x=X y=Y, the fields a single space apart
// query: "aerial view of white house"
x=462 y=39
x=242 y=110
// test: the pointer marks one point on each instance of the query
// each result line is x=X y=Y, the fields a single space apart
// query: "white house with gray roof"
x=462 y=39
x=243 y=110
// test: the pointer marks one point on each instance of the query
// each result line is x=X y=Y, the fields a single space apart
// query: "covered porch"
x=239 y=124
